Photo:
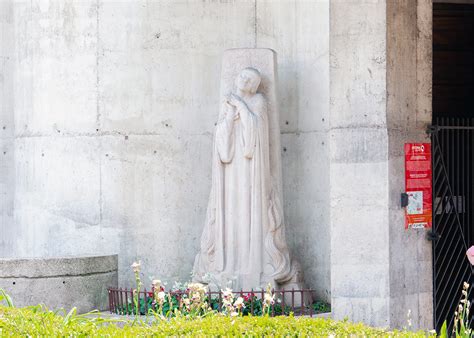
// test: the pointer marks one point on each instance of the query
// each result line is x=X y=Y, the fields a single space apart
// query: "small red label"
x=418 y=185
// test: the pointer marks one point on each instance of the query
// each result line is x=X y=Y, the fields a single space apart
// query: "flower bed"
x=281 y=302
x=197 y=300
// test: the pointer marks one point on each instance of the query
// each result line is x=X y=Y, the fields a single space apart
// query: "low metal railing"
x=298 y=302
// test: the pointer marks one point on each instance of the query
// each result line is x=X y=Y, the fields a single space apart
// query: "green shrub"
x=38 y=321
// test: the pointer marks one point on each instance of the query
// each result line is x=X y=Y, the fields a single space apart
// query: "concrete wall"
x=299 y=32
x=7 y=166
x=115 y=103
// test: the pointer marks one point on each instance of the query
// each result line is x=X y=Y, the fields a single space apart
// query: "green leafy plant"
x=321 y=307
x=461 y=317
x=4 y=298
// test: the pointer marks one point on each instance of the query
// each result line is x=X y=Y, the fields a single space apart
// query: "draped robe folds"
x=243 y=239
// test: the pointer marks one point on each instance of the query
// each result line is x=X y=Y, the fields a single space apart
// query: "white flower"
x=197 y=287
x=269 y=299
x=239 y=303
x=466 y=285
x=233 y=314
x=196 y=297
x=227 y=292
x=136 y=266
x=161 y=296
x=156 y=283
x=227 y=295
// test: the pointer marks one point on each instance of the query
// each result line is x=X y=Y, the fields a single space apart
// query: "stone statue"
x=243 y=242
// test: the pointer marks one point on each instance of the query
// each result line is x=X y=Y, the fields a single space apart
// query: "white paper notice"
x=415 y=203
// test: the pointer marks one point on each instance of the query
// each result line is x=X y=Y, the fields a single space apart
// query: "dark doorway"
x=453 y=60
x=453 y=155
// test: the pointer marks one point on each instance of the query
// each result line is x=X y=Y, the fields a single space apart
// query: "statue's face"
x=247 y=81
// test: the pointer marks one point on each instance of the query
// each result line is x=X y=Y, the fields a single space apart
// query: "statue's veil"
x=265 y=61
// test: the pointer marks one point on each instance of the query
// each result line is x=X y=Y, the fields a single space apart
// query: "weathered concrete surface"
x=409 y=49
x=359 y=163
x=299 y=32
x=7 y=176
x=115 y=103
x=66 y=282
x=380 y=83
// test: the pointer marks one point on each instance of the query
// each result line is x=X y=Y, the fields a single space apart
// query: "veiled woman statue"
x=243 y=242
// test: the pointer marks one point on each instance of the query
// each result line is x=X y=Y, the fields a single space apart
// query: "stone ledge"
x=57 y=266
x=63 y=282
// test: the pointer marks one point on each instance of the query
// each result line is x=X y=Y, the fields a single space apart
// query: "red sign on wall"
x=418 y=185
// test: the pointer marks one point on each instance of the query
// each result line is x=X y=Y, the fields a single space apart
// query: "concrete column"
x=359 y=173
x=409 y=31
x=379 y=99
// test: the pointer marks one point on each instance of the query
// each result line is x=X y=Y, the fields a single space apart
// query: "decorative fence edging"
x=286 y=301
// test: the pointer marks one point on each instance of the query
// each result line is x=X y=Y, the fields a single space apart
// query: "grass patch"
x=39 y=321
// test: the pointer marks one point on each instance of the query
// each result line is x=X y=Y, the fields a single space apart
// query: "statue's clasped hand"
x=236 y=104
x=235 y=101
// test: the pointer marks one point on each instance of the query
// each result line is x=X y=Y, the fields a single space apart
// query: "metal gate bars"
x=452 y=143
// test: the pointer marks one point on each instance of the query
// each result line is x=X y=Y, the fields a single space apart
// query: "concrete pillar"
x=359 y=162
x=409 y=44
x=379 y=99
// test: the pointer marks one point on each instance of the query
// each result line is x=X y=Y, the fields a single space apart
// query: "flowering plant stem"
x=138 y=285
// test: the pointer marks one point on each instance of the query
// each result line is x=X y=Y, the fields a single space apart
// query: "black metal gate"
x=452 y=143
